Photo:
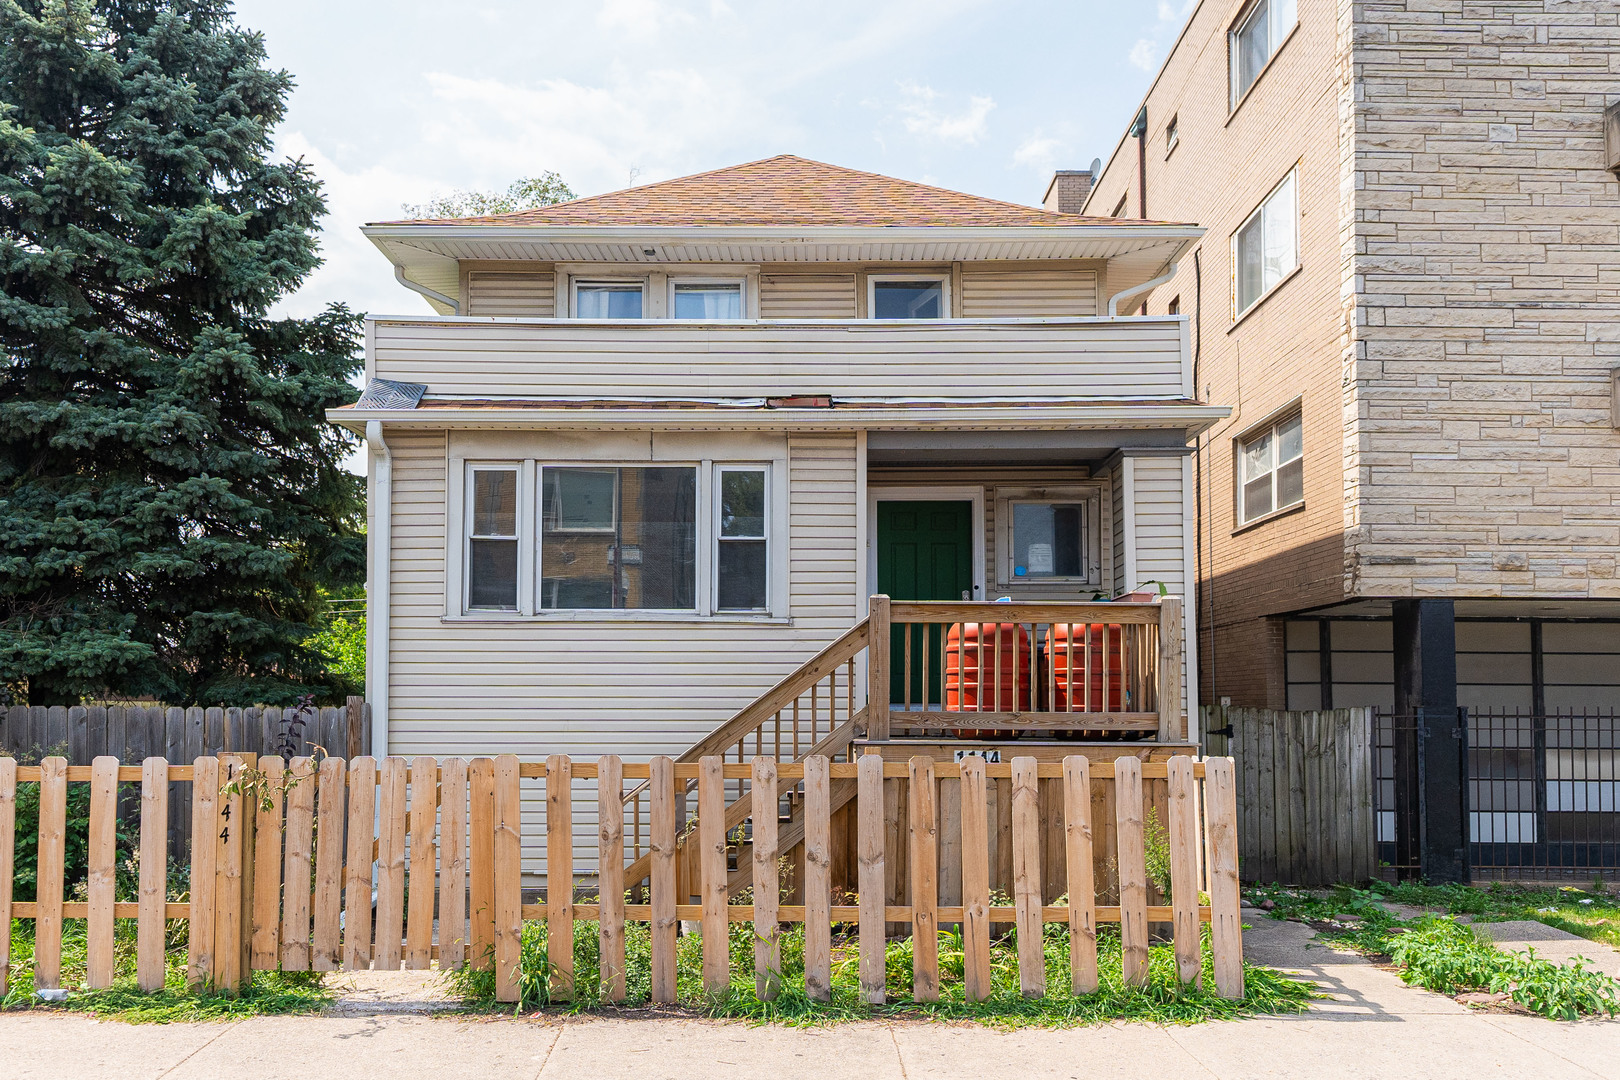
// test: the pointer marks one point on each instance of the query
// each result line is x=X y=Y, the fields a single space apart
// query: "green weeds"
x=1437 y=953
x=1164 y=1000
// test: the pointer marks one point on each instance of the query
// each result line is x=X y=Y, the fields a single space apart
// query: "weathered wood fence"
x=81 y=734
x=317 y=878
x=1305 y=792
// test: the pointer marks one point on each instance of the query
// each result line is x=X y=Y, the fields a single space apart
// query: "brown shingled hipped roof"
x=782 y=190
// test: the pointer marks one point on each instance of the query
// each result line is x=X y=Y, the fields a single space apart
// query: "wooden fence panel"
x=8 y=862
x=508 y=878
x=1304 y=786
x=267 y=856
x=440 y=818
x=452 y=864
x=560 y=876
x=767 y=883
x=102 y=858
x=1082 y=884
x=423 y=868
x=357 y=900
x=610 y=847
x=295 y=874
x=326 y=952
x=50 y=869
x=200 y=947
x=1133 y=928
x=872 y=885
x=391 y=833
x=481 y=863
x=661 y=845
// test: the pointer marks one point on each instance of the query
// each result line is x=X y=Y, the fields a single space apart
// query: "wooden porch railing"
x=1037 y=667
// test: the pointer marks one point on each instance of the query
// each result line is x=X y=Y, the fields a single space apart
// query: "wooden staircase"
x=812 y=711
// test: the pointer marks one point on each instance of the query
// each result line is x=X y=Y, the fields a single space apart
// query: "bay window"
x=693 y=538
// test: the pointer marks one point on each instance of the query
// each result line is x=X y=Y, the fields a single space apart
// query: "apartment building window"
x=1119 y=207
x=1172 y=134
x=706 y=299
x=492 y=539
x=1271 y=469
x=1255 y=39
x=608 y=299
x=1265 y=248
x=908 y=297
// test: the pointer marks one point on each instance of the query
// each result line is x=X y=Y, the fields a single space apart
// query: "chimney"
x=1067 y=192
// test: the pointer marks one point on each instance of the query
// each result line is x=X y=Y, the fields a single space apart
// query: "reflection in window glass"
x=1266 y=248
x=1048 y=540
x=742 y=564
x=1256 y=39
x=1273 y=469
x=608 y=300
x=621 y=539
x=719 y=301
x=908 y=300
x=492 y=541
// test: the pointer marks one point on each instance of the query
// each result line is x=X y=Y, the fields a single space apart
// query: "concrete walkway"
x=1374 y=1026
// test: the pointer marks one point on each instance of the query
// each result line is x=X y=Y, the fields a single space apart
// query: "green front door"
x=925 y=552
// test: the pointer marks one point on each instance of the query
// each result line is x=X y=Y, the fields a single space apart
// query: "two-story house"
x=656 y=448
x=1406 y=295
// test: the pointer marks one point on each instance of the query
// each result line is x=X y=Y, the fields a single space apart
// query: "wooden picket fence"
x=315 y=879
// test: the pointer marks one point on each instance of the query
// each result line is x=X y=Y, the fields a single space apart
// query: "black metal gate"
x=1542 y=798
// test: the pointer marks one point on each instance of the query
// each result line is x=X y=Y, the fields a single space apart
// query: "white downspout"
x=1134 y=290
x=379 y=566
x=415 y=287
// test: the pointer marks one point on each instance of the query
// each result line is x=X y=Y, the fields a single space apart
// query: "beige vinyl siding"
x=990 y=294
x=1161 y=530
x=1085 y=359
x=807 y=296
x=1116 y=483
x=532 y=688
x=500 y=292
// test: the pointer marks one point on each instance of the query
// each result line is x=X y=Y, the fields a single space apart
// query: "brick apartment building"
x=1409 y=296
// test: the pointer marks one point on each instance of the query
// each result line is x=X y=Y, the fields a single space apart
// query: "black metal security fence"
x=1541 y=798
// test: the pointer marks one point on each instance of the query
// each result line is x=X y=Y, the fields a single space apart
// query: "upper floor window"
x=608 y=299
x=908 y=297
x=1119 y=207
x=707 y=300
x=1254 y=40
x=1172 y=133
x=1273 y=469
x=1265 y=249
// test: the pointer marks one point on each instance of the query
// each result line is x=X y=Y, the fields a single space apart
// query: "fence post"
x=8 y=821
x=356 y=708
x=877 y=670
x=1169 y=668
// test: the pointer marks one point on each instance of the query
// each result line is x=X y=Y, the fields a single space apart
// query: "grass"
x=1438 y=953
x=272 y=993
x=1162 y=1001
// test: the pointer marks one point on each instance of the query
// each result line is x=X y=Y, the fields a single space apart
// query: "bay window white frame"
x=717 y=538
x=459 y=521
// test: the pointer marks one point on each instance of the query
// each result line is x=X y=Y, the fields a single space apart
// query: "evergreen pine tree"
x=171 y=497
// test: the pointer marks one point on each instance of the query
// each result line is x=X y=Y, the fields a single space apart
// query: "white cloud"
x=922 y=115
x=1038 y=152
x=1145 y=54
x=641 y=18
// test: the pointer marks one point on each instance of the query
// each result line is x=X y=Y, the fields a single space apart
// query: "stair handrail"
x=763 y=708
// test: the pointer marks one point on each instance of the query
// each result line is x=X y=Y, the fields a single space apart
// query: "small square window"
x=1172 y=134
x=1272 y=470
x=908 y=299
x=1048 y=540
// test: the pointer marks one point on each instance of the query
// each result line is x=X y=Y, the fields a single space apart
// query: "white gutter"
x=379 y=565
x=1136 y=290
x=399 y=276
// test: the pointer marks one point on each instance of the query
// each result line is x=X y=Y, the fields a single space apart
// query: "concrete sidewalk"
x=1374 y=1026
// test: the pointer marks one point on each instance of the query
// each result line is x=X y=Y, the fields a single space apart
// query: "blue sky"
x=398 y=101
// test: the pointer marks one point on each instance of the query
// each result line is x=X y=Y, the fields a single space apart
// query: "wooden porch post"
x=877 y=671
x=1170 y=668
